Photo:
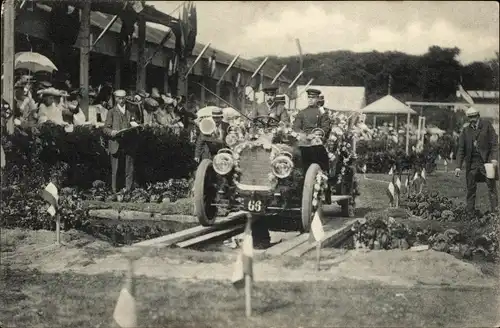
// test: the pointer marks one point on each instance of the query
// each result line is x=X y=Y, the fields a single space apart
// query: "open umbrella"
x=34 y=62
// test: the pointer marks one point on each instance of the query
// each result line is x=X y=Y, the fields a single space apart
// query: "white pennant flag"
x=391 y=172
x=317 y=233
x=125 y=310
x=391 y=192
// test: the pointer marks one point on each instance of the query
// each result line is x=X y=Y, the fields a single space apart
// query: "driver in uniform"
x=271 y=107
x=308 y=119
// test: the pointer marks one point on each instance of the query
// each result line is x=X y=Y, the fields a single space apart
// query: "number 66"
x=254 y=206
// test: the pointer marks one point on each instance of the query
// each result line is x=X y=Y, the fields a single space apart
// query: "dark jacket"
x=487 y=143
x=115 y=120
x=207 y=146
x=310 y=118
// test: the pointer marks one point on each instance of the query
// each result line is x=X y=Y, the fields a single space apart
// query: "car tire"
x=307 y=196
x=204 y=193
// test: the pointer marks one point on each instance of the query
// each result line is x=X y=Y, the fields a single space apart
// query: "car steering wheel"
x=266 y=121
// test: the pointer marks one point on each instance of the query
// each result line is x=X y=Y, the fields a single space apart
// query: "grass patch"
x=31 y=298
x=373 y=192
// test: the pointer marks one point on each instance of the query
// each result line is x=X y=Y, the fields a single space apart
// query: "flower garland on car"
x=340 y=144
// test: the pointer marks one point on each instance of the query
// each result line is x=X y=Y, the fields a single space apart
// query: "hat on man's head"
x=168 y=100
x=119 y=93
x=217 y=112
x=44 y=84
x=50 y=92
x=270 y=90
x=471 y=112
x=313 y=92
x=280 y=99
x=155 y=93
x=142 y=94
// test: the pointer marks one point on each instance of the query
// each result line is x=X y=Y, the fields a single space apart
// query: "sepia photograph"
x=214 y=164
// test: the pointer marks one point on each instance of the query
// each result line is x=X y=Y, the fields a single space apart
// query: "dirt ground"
x=77 y=285
x=62 y=286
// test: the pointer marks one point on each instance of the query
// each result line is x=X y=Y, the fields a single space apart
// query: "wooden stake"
x=318 y=254
x=58 y=229
x=84 y=56
x=8 y=36
x=248 y=295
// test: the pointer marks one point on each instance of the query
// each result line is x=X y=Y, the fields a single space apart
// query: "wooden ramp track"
x=232 y=221
x=335 y=233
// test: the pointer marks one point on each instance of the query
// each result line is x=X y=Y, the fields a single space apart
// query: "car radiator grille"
x=255 y=165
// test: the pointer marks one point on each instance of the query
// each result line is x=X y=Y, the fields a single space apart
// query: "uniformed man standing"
x=312 y=116
x=271 y=107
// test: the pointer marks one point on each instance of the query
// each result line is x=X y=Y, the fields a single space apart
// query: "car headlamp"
x=231 y=139
x=223 y=163
x=282 y=166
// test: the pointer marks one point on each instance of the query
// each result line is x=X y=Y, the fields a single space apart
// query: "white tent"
x=388 y=105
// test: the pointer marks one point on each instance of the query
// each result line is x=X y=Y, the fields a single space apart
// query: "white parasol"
x=34 y=62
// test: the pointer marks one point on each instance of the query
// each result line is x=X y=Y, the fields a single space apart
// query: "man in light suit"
x=208 y=145
x=121 y=148
x=477 y=145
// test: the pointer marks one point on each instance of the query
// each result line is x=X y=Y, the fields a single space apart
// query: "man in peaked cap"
x=311 y=117
x=308 y=119
x=271 y=107
x=120 y=148
x=477 y=145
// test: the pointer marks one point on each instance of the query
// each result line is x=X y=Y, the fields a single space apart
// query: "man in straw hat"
x=211 y=140
x=271 y=107
x=477 y=146
x=120 y=147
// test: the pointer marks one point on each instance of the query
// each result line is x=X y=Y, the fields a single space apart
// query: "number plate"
x=254 y=205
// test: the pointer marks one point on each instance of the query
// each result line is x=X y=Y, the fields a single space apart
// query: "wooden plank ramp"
x=212 y=235
x=333 y=236
x=183 y=235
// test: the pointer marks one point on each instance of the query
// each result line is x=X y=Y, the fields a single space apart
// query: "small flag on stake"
x=125 y=310
x=364 y=168
x=423 y=175
x=244 y=261
x=391 y=192
x=317 y=232
x=439 y=157
x=398 y=185
x=51 y=195
x=391 y=172
x=125 y=313
x=451 y=156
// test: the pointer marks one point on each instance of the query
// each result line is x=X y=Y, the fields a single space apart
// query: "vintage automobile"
x=268 y=169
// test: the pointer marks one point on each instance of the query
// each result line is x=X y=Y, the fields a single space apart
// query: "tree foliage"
x=433 y=76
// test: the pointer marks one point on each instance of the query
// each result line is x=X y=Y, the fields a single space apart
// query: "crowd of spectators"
x=39 y=101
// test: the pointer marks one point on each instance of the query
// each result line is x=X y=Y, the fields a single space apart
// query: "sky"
x=260 y=28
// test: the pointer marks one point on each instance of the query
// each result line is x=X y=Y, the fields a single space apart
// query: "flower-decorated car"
x=268 y=169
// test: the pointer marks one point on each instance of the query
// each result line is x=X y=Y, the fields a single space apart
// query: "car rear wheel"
x=308 y=209
x=205 y=193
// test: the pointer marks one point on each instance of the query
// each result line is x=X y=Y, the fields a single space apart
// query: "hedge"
x=82 y=155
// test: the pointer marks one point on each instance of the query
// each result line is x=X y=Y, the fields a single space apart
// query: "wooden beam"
x=8 y=57
x=141 y=58
x=84 y=56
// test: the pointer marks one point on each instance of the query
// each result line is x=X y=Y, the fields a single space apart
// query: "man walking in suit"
x=120 y=147
x=477 y=145
x=208 y=144
x=271 y=107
